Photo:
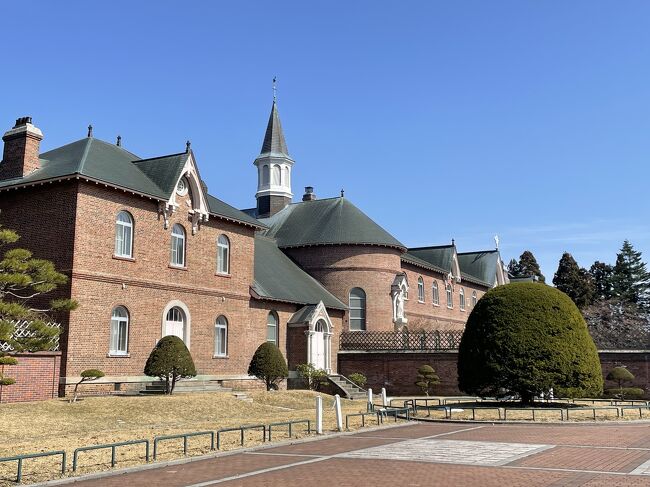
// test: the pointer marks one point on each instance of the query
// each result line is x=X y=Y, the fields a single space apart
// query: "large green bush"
x=170 y=360
x=525 y=338
x=625 y=393
x=268 y=365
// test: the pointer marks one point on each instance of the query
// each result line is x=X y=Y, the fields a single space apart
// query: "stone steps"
x=185 y=387
x=350 y=390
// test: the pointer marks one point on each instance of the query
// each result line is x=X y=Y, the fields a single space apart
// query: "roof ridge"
x=316 y=200
x=160 y=157
x=478 y=252
x=82 y=162
x=432 y=247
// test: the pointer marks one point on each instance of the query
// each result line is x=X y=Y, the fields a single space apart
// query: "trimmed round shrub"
x=170 y=360
x=268 y=365
x=426 y=378
x=6 y=360
x=526 y=338
x=620 y=375
x=625 y=393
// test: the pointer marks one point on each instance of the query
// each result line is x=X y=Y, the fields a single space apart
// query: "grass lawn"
x=59 y=425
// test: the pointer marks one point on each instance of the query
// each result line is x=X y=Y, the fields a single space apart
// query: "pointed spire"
x=274 y=137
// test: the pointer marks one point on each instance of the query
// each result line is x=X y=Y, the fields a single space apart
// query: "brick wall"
x=37 y=377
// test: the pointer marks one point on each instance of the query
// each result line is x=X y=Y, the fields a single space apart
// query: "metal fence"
x=21 y=330
x=434 y=340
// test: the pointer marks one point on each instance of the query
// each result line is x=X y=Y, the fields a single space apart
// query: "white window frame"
x=360 y=323
x=178 y=243
x=450 y=296
x=474 y=299
x=420 y=290
x=461 y=299
x=223 y=254
x=273 y=321
x=124 y=235
x=221 y=336
x=435 y=293
x=116 y=336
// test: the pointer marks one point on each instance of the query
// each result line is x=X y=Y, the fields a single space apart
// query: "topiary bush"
x=86 y=376
x=625 y=393
x=620 y=375
x=527 y=338
x=6 y=360
x=426 y=378
x=358 y=379
x=170 y=360
x=268 y=365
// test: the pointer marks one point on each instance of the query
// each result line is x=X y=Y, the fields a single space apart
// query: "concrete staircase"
x=185 y=387
x=349 y=389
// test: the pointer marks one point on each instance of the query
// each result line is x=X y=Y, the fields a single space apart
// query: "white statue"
x=399 y=289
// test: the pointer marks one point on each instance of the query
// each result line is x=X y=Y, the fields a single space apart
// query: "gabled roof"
x=165 y=170
x=480 y=265
x=332 y=221
x=222 y=209
x=278 y=278
x=416 y=261
x=439 y=256
x=274 y=141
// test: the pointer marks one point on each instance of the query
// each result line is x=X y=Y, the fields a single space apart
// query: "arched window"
x=474 y=299
x=357 y=309
x=450 y=297
x=223 y=255
x=265 y=174
x=124 y=235
x=420 y=290
x=119 y=331
x=276 y=175
x=221 y=337
x=287 y=176
x=318 y=327
x=272 y=328
x=461 y=299
x=178 y=245
x=436 y=294
x=175 y=323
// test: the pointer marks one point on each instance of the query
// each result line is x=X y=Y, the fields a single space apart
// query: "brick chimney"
x=309 y=194
x=20 y=155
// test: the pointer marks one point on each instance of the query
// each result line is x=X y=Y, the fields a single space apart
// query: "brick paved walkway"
x=427 y=454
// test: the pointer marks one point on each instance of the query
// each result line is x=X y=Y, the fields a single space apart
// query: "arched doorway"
x=176 y=320
x=318 y=355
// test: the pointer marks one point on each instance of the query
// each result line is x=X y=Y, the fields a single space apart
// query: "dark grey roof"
x=278 y=278
x=164 y=170
x=332 y=221
x=274 y=137
x=481 y=265
x=438 y=256
x=303 y=315
x=413 y=260
x=220 y=208
x=95 y=159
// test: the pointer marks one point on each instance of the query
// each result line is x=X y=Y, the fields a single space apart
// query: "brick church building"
x=151 y=252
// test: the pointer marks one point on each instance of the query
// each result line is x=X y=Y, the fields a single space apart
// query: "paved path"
x=425 y=455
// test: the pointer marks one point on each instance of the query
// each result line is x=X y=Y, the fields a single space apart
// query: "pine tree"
x=573 y=281
x=601 y=275
x=630 y=279
x=529 y=267
x=514 y=270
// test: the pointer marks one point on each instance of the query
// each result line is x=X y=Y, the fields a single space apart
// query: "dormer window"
x=182 y=187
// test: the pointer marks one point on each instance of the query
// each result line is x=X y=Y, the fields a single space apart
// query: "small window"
x=178 y=246
x=124 y=235
x=450 y=296
x=272 y=328
x=420 y=290
x=318 y=327
x=276 y=175
x=474 y=299
x=461 y=299
x=221 y=337
x=357 y=309
x=435 y=294
x=265 y=174
x=119 y=331
x=182 y=187
x=223 y=255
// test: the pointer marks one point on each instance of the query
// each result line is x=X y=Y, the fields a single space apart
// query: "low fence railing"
x=424 y=341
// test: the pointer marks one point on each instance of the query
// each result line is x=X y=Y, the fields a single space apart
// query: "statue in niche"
x=399 y=288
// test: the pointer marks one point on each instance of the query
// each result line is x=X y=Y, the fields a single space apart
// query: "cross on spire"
x=275 y=89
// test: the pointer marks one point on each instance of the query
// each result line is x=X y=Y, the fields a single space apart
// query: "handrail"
x=112 y=446
x=241 y=429
x=185 y=436
x=25 y=456
x=290 y=423
x=363 y=418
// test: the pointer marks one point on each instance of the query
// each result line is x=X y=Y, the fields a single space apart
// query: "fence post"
x=384 y=401
x=319 y=415
x=337 y=407
x=371 y=406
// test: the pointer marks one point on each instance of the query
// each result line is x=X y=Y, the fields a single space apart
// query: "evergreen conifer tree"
x=514 y=270
x=601 y=275
x=630 y=279
x=529 y=267
x=573 y=281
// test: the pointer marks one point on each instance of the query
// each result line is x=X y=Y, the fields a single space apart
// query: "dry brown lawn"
x=59 y=425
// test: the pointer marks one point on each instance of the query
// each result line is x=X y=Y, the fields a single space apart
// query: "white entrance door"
x=318 y=346
x=175 y=323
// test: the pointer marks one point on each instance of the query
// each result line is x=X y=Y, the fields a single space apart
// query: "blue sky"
x=441 y=120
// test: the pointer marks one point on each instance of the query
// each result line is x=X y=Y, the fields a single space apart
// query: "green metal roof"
x=481 y=265
x=412 y=259
x=332 y=221
x=164 y=171
x=439 y=256
x=220 y=208
x=278 y=278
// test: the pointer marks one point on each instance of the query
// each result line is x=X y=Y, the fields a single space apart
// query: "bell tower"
x=273 y=168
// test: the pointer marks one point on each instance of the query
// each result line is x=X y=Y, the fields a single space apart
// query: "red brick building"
x=150 y=252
